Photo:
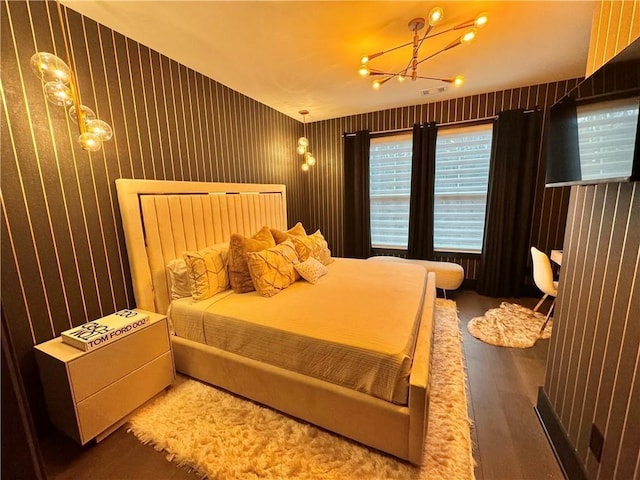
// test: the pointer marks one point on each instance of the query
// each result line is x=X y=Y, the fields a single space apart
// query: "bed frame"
x=161 y=219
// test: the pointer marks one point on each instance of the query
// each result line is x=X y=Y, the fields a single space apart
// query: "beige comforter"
x=356 y=327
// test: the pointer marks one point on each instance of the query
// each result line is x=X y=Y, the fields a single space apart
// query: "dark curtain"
x=357 y=228
x=423 y=170
x=512 y=182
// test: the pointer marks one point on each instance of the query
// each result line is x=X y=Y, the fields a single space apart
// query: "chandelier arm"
x=446 y=80
x=432 y=55
x=404 y=71
x=379 y=54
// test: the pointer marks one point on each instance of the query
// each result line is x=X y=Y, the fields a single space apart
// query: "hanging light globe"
x=305 y=167
x=303 y=142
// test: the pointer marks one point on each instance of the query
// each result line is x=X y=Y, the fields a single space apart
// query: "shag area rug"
x=510 y=325
x=221 y=436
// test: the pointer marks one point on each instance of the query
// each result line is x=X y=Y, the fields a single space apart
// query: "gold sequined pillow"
x=272 y=270
x=207 y=271
x=239 y=247
x=311 y=269
x=279 y=236
x=313 y=246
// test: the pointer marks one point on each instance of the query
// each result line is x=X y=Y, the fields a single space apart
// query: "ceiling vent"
x=433 y=91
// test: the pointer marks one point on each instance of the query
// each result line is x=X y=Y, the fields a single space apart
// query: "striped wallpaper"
x=63 y=253
x=325 y=187
x=593 y=365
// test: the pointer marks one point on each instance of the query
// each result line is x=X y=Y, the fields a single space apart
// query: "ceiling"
x=294 y=55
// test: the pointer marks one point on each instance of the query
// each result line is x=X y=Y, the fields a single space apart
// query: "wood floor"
x=508 y=441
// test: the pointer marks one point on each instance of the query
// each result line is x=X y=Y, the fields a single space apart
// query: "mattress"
x=355 y=327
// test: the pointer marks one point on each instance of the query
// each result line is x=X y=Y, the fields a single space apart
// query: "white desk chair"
x=543 y=277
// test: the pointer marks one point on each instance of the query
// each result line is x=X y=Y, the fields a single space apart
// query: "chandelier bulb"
x=311 y=160
x=436 y=15
x=376 y=84
x=364 y=59
x=468 y=36
x=459 y=80
x=303 y=142
x=305 y=167
x=86 y=111
x=401 y=77
x=363 y=70
x=481 y=20
x=302 y=149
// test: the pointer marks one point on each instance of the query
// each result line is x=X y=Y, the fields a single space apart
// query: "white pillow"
x=179 y=277
x=311 y=269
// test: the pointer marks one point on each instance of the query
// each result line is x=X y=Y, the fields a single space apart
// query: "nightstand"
x=90 y=394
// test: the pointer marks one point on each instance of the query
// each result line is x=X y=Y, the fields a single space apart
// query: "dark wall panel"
x=63 y=253
x=325 y=183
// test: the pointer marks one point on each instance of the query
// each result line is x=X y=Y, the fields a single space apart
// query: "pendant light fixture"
x=61 y=88
x=308 y=160
x=435 y=17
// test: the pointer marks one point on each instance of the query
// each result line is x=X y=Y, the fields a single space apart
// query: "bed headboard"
x=161 y=219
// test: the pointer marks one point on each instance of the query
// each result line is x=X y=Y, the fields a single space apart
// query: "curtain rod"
x=447 y=124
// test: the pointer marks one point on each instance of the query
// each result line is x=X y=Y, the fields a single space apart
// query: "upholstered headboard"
x=162 y=219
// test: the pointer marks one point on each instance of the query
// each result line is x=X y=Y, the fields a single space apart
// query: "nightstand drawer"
x=101 y=367
x=100 y=411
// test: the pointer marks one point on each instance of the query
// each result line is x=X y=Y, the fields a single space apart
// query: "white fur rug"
x=510 y=325
x=224 y=437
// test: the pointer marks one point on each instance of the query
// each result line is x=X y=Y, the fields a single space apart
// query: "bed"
x=161 y=219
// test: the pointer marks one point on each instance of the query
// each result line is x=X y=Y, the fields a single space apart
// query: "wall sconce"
x=308 y=159
x=61 y=88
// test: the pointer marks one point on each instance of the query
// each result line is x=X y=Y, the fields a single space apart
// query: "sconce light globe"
x=50 y=68
x=90 y=142
x=58 y=93
x=100 y=128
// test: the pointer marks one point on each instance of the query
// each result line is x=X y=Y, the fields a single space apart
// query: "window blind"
x=390 y=190
x=462 y=175
x=606 y=137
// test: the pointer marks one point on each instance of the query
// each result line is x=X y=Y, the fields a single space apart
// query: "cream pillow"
x=179 y=278
x=272 y=270
x=311 y=269
x=239 y=247
x=313 y=246
x=208 y=271
x=279 y=236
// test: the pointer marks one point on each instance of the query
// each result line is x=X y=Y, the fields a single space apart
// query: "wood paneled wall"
x=64 y=260
x=592 y=375
x=325 y=182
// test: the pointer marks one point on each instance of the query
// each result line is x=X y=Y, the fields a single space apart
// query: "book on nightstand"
x=100 y=332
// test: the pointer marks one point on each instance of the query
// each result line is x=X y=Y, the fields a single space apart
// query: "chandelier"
x=308 y=160
x=61 y=88
x=436 y=15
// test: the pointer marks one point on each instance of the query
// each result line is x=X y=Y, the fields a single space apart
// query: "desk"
x=556 y=256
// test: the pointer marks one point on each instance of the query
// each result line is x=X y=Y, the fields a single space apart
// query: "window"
x=462 y=176
x=390 y=190
x=606 y=138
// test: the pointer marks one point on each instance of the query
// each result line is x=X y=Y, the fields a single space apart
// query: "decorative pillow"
x=207 y=271
x=311 y=269
x=179 y=276
x=239 y=247
x=279 y=236
x=272 y=270
x=313 y=246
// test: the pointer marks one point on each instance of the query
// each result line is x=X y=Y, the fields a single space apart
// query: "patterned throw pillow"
x=207 y=271
x=313 y=246
x=279 y=236
x=272 y=270
x=239 y=247
x=311 y=269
